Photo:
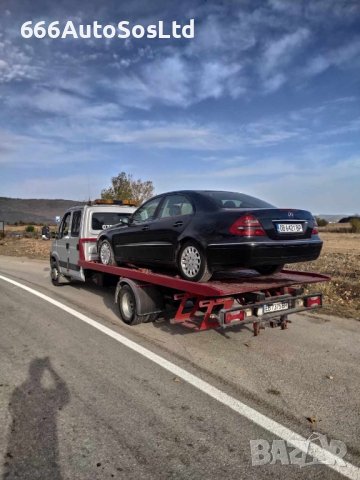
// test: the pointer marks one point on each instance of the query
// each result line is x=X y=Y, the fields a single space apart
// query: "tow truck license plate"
x=276 y=307
x=289 y=227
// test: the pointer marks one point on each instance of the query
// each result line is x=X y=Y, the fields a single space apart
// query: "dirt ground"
x=340 y=259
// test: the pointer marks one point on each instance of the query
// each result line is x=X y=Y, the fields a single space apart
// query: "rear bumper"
x=253 y=254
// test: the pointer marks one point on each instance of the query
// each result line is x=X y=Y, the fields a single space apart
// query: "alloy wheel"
x=190 y=261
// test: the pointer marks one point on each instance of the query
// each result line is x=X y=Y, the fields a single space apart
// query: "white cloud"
x=179 y=136
x=335 y=57
x=15 y=64
x=59 y=102
x=281 y=51
x=76 y=187
x=282 y=182
x=216 y=79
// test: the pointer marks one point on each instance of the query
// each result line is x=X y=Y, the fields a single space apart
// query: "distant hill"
x=33 y=210
x=331 y=218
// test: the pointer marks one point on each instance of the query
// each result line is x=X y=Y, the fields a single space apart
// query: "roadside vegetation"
x=340 y=259
x=124 y=187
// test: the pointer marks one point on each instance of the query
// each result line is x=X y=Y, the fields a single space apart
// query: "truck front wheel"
x=55 y=273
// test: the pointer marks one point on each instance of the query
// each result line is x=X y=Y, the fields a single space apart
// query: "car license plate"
x=289 y=227
x=276 y=307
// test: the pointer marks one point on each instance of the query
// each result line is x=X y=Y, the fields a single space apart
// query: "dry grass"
x=340 y=259
x=25 y=247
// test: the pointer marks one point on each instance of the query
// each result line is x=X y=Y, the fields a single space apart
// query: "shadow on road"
x=32 y=451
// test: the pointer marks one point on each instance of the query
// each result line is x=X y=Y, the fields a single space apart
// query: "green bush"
x=321 y=222
x=355 y=225
x=30 y=229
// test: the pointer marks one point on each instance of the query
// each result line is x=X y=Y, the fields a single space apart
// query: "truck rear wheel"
x=127 y=306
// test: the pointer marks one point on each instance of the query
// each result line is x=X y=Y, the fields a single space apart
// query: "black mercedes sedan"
x=201 y=232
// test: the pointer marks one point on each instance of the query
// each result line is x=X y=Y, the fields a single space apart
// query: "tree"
x=321 y=221
x=124 y=187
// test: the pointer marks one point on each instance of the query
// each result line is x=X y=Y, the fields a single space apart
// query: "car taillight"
x=315 y=229
x=247 y=226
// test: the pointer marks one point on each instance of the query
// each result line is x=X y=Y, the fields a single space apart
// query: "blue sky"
x=264 y=100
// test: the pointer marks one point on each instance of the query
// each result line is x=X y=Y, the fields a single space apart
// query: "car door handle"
x=145 y=228
x=178 y=224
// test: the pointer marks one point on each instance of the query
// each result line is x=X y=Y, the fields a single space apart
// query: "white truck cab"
x=77 y=234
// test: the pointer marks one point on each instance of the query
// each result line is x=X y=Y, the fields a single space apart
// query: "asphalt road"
x=77 y=404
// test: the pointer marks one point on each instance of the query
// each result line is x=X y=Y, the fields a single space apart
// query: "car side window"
x=75 y=224
x=176 y=205
x=147 y=211
x=65 y=226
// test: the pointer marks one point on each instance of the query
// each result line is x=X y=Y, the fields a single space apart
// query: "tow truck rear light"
x=313 y=301
x=108 y=201
x=247 y=226
x=235 y=315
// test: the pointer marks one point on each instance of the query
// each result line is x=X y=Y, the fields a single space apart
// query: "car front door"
x=134 y=243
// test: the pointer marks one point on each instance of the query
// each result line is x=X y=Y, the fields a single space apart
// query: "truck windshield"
x=103 y=220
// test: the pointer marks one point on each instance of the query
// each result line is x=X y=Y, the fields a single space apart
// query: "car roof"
x=195 y=191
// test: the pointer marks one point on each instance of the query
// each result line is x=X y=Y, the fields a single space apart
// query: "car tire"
x=106 y=253
x=127 y=306
x=269 y=269
x=55 y=273
x=192 y=263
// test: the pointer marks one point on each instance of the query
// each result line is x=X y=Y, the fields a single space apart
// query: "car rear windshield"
x=103 y=220
x=237 y=200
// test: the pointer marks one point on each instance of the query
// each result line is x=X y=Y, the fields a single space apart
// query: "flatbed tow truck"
x=142 y=295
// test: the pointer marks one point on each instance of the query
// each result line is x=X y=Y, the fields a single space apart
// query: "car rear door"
x=175 y=214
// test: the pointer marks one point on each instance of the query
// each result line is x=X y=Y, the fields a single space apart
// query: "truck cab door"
x=67 y=245
x=62 y=241
x=73 y=246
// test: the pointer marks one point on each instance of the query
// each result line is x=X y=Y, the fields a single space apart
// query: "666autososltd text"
x=122 y=30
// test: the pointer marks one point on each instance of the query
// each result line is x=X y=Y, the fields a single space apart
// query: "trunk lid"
x=285 y=224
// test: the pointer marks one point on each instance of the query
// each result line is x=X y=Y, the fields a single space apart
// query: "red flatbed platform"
x=225 y=284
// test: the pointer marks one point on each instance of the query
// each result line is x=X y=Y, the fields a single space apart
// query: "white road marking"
x=329 y=459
